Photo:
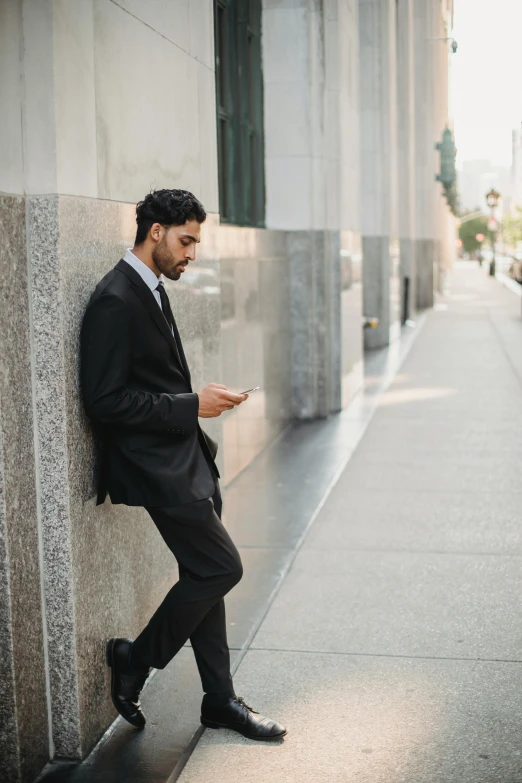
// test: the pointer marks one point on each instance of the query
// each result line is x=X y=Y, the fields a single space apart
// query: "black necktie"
x=169 y=317
x=165 y=304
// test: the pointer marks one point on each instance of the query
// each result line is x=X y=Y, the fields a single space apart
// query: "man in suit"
x=137 y=391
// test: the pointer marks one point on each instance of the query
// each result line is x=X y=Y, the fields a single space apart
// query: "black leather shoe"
x=126 y=684
x=237 y=715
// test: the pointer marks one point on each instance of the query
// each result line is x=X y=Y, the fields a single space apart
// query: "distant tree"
x=468 y=232
x=512 y=227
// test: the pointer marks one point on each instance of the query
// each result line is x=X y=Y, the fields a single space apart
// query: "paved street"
x=393 y=650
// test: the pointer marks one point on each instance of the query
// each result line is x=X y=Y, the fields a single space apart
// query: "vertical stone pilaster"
x=425 y=253
x=377 y=30
x=24 y=731
x=52 y=459
x=315 y=317
x=406 y=155
x=334 y=319
x=425 y=154
x=302 y=305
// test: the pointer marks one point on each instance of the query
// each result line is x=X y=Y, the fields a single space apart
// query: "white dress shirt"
x=146 y=274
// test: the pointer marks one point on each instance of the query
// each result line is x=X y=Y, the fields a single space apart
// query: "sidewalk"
x=393 y=649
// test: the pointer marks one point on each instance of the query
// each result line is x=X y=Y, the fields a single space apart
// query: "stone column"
x=315 y=328
x=302 y=144
x=406 y=156
x=378 y=73
x=445 y=232
x=425 y=153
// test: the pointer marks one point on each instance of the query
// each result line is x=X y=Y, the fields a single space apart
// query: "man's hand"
x=215 y=398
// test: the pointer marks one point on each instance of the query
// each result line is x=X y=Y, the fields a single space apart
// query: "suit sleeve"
x=106 y=357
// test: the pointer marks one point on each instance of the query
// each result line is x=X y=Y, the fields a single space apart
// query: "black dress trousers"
x=209 y=566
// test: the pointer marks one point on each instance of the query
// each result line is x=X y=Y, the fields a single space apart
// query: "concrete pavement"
x=393 y=649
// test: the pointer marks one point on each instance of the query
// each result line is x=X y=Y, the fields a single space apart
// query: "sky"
x=486 y=78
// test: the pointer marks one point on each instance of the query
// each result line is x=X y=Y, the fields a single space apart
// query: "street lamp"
x=448 y=171
x=492 y=201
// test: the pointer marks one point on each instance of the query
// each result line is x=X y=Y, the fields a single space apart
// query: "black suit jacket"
x=137 y=391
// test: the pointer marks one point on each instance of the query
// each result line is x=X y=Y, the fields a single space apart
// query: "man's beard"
x=164 y=260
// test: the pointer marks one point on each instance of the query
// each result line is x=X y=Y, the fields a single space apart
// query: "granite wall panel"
x=302 y=290
x=47 y=307
x=255 y=337
x=9 y=748
x=315 y=282
x=24 y=742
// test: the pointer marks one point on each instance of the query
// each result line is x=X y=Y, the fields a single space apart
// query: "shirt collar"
x=145 y=272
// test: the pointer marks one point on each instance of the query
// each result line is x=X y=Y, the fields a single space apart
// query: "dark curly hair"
x=168 y=207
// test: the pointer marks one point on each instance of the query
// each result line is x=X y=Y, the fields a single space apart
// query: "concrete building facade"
x=516 y=168
x=105 y=100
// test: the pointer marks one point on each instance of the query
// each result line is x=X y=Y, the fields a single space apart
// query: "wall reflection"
x=255 y=341
x=195 y=300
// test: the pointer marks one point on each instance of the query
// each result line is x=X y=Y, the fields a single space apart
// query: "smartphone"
x=249 y=391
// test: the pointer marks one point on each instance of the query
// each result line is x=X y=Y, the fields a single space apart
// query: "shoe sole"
x=210 y=724
x=109 y=657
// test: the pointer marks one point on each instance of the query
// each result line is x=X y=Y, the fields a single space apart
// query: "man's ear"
x=156 y=231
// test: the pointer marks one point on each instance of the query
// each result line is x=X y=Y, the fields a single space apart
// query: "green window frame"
x=239 y=106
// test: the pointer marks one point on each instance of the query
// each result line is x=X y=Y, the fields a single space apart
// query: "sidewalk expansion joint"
x=442 y=552
x=387 y=655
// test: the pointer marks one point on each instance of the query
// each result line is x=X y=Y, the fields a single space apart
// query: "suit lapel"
x=150 y=304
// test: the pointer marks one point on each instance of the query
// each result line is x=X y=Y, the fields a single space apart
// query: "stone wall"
x=24 y=735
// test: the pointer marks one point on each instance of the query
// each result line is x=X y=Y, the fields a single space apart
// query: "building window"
x=239 y=101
